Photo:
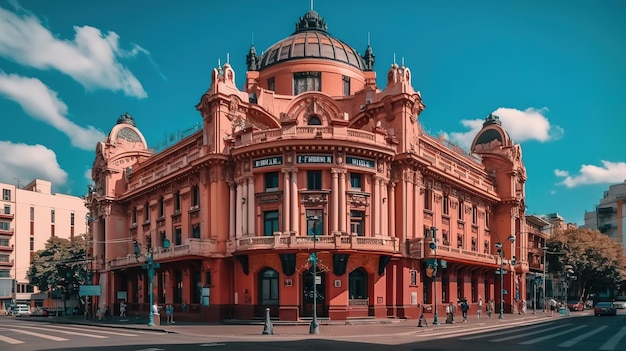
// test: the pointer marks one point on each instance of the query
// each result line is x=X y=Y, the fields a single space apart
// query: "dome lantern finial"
x=311 y=21
x=126 y=118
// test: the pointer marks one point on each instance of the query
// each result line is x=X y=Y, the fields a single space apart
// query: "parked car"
x=620 y=302
x=21 y=310
x=604 y=309
x=40 y=312
x=575 y=305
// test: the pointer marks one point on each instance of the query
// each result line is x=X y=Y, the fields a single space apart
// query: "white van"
x=21 y=310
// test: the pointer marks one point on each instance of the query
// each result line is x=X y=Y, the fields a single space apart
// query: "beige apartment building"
x=29 y=216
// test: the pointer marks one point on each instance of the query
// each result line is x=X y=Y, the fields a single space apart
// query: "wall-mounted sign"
x=359 y=162
x=314 y=159
x=266 y=162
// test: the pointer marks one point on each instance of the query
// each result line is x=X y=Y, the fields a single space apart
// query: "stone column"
x=392 y=209
x=295 y=206
x=376 y=205
x=286 y=201
x=238 y=210
x=384 y=224
x=232 y=209
x=244 y=207
x=334 y=202
x=342 y=201
x=251 y=204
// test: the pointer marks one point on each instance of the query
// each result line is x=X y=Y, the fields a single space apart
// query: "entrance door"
x=307 y=294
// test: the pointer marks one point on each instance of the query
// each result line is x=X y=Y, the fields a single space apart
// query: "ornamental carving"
x=315 y=198
x=438 y=198
x=358 y=200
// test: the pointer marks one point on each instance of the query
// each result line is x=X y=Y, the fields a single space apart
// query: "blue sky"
x=554 y=72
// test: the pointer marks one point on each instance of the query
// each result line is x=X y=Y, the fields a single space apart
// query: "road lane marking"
x=68 y=332
x=95 y=330
x=10 y=340
x=543 y=338
x=614 y=340
x=575 y=340
x=44 y=336
x=517 y=336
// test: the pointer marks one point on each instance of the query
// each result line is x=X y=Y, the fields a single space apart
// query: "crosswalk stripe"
x=67 y=332
x=508 y=331
x=573 y=341
x=536 y=340
x=517 y=336
x=10 y=340
x=95 y=330
x=44 y=336
x=612 y=342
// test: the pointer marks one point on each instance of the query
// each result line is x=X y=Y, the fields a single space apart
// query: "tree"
x=597 y=261
x=61 y=266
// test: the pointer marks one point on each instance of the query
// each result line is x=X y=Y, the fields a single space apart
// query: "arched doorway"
x=307 y=293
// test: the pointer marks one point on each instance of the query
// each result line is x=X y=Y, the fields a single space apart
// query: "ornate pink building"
x=310 y=156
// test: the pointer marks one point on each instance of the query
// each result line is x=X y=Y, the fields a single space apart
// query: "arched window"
x=357 y=282
x=315 y=121
x=268 y=287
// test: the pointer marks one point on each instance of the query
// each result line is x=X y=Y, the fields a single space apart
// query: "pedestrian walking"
x=553 y=306
x=450 y=309
x=464 y=308
x=523 y=306
x=123 y=308
x=479 y=311
x=169 y=312
x=490 y=306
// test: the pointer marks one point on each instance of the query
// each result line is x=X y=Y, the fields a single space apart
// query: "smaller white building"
x=609 y=216
x=29 y=216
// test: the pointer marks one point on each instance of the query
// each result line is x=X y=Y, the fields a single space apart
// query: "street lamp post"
x=543 y=290
x=149 y=266
x=433 y=246
x=568 y=272
x=501 y=254
x=314 y=327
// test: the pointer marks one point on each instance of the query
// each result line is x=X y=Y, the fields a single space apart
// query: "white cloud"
x=42 y=103
x=28 y=162
x=609 y=172
x=530 y=124
x=87 y=176
x=91 y=58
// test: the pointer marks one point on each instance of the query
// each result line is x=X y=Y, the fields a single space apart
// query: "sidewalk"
x=301 y=328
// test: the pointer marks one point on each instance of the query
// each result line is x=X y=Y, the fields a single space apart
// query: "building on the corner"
x=309 y=156
x=29 y=216
x=609 y=216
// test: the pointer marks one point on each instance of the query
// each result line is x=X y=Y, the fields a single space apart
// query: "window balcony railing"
x=419 y=248
x=7 y=263
x=7 y=231
x=324 y=242
x=192 y=247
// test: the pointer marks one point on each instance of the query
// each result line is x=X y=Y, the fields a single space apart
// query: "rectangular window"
x=474 y=245
x=195 y=196
x=314 y=180
x=4 y=274
x=306 y=81
x=445 y=205
x=314 y=222
x=4 y=226
x=178 y=236
x=32 y=243
x=428 y=199
x=356 y=222
x=147 y=213
x=270 y=222
x=271 y=84
x=4 y=258
x=4 y=242
x=72 y=218
x=271 y=181
x=177 y=201
x=195 y=231
x=460 y=211
x=356 y=181
x=346 y=85
x=486 y=247
x=474 y=215
x=52 y=216
x=133 y=215
x=486 y=220
x=7 y=209
x=6 y=194
x=161 y=207
x=459 y=241
x=32 y=213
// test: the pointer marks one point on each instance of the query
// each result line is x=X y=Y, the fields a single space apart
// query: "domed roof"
x=311 y=40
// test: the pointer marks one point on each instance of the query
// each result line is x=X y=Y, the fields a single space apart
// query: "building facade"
x=29 y=217
x=609 y=215
x=310 y=157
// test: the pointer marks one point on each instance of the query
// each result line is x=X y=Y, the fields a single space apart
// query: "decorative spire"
x=311 y=21
x=369 y=58
x=252 y=60
x=492 y=119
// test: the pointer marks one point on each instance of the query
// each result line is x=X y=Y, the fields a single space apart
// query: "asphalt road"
x=581 y=332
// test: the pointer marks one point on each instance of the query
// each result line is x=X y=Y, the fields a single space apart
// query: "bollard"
x=268 y=328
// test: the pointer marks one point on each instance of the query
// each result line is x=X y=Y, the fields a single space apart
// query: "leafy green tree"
x=597 y=261
x=61 y=266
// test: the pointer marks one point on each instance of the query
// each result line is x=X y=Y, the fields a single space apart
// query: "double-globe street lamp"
x=314 y=327
x=149 y=266
x=433 y=246
x=501 y=272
